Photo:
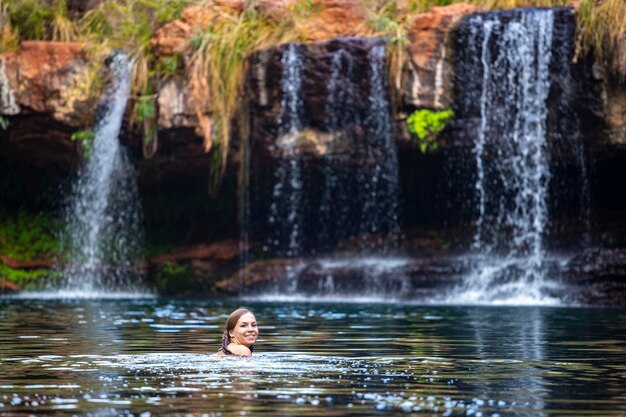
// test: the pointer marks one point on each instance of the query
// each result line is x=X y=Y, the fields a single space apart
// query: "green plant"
x=218 y=68
x=31 y=17
x=85 y=138
x=426 y=125
x=9 y=36
x=129 y=25
x=26 y=278
x=25 y=236
x=601 y=24
x=63 y=28
x=144 y=112
x=172 y=278
x=4 y=123
x=306 y=8
x=167 y=66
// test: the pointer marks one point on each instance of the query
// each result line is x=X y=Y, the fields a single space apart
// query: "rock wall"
x=51 y=78
x=429 y=70
x=48 y=91
x=56 y=81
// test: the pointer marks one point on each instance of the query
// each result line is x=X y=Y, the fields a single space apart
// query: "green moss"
x=26 y=279
x=176 y=279
x=85 y=137
x=25 y=236
x=426 y=125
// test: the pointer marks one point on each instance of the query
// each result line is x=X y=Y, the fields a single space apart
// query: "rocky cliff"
x=48 y=91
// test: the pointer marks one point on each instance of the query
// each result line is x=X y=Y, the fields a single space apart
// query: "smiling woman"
x=240 y=333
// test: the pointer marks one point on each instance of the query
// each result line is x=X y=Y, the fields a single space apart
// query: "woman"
x=240 y=333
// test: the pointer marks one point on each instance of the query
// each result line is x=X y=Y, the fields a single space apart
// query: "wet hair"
x=231 y=322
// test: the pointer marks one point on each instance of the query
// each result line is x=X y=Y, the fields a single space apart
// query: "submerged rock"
x=415 y=279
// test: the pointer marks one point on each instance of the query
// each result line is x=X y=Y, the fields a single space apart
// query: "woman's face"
x=245 y=331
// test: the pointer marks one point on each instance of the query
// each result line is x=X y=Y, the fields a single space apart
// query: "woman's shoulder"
x=239 y=350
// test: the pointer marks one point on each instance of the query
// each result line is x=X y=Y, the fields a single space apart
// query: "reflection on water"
x=524 y=341
x=125 y=357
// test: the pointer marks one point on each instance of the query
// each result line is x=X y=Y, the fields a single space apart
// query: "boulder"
x=47 y=91
x=173 y=37
x=48 y=77
x=176 y=107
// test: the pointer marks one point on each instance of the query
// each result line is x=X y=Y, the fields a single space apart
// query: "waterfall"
x=335 y=181
x=103 y=235
x=8 y=103
x=285 y=217
x=510 y=55
x=371 y=214
x=379 y=188
x=340 y=107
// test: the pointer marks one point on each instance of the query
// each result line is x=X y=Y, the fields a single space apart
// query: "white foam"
x=81 y=295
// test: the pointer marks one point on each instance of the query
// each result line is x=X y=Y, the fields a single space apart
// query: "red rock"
x=49 y=77
x=256 y=272
x=430 y=69
x=235 y=5
x=336 y=18
x=8 y=287
x=226 y=250
x=274 y=7
x=172 y=38
x=29 y=264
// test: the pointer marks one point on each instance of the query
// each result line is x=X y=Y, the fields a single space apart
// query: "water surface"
x=156 y=356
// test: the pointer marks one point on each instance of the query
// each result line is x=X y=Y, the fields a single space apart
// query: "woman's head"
x=240 y=328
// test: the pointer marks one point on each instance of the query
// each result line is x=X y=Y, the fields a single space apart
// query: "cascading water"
x=379 y=187
x=510 y=55
x=340 y=107
x=345 y=192
x=376 y=181
x=103 y=212
x=287 y=194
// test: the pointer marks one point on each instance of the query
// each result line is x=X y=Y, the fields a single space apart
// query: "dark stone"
x=597 y=277
x=418 y=279
x=264 y=90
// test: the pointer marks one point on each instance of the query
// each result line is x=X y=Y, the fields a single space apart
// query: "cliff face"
x=45 y=92
x=50 y=90
x=53 y=87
